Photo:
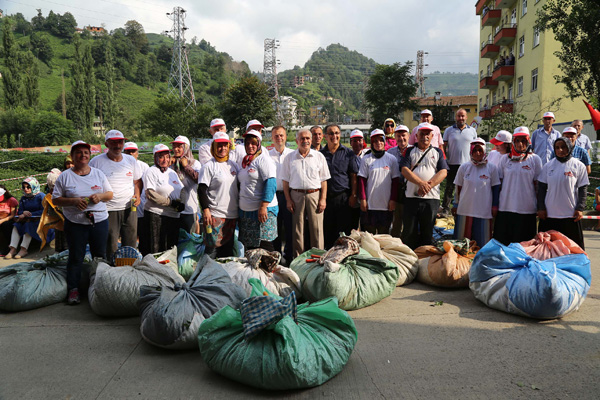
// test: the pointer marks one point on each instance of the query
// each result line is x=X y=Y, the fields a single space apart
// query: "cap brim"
x=116 y=138
x=214 y=126
x=222 y=141
x=179 y=141
x=495 y=141
x=129 y=148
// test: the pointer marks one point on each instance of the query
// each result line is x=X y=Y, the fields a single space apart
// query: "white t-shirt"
x=166 y=184
x=222 y=181
x=189 y=194
x=476 y=193
x=69 y=184
x=204 y=155
x=252 y=182
x=121 y=175
x=379 y=173
x=278 y=159
x=494 y=157
x=431 y=164
x=518 y=191
x=563 y=180
x=140 y=209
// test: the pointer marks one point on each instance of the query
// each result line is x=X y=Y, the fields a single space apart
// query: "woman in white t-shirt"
x=218 y=194
x=163 y=204
x=501 y=144
x=258 y=204
x=477 y=196
x=82 y=192
x=562 y=193
x=187 y=169
x=519 y=171
x=378 y=180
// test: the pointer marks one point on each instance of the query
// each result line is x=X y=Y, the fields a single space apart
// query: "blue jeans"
x=78 y=236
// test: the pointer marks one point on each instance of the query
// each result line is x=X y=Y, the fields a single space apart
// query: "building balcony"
x=491 y=18
x=487 y=82
x=505 y=35
x=479 y=6
x=504 y=73
x=505 y=3
x=489 y=50
x=504 y=107
x=485 y=114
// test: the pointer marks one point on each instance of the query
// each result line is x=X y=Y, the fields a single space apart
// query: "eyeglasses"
x=389 y=125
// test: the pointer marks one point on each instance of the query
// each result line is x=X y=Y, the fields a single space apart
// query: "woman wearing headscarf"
x=389 y=125
x=378 y=180
x=52 y=217
x=8 y=210
x=27 y=219
x=519 y=172
x=258 y=206
x=477 y=196
x=218 y=193
x=562 y=192
x=187 y=169
x=82 y=192
x=163 y=205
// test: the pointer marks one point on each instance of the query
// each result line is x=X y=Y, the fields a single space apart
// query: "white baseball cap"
x=221 y=137
x=217 y=122
x=401 y=128
x=426 y=111
x=254 y=122
x=114 y=134
x=521 y=131
x=376 y=132
x=356 y=133
x=548 y=115
x=501 y=137
x=159 y=148
x=254 y=133
x=426 y=126
x=479 y=141
x=130 y=146
x=570 y=129
x=181 y=139
x=80 y=143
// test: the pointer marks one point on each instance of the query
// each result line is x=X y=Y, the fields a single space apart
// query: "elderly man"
x=424 y=168
x=125 y=177
x=359 y=148
x=457 y=146
x=132 y=149
x=578 y=152
x=204 y=155
x=542 y=139
x=402 y=135
x=436 y=140
x=305 y=174
x=278 y=154
x=582 y=140
x=341 y=187
x=317 y=137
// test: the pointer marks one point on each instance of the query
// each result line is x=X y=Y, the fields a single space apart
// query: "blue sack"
x=507 y=279
x=190 y=249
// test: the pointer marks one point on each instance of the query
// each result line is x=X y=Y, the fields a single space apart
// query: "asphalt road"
x=408 y=347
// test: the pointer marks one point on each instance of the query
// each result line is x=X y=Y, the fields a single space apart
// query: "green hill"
x=451 y=83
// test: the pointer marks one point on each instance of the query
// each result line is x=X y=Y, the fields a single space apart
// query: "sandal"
x=11 y=254
x=22 y=253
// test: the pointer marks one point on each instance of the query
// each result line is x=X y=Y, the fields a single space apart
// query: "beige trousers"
x=305 y=205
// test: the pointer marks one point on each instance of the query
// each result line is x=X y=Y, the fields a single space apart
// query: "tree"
x=575 y=24
x=141 y=72
x=22 y=25
x=66 y=25
x=443 y=114
x=84 y=93
x=50 y=129
x=38 y=21
x=110 y=103
x=389 y=92
x=51 y=23
x=501 y=121
x=135 y=32
x=11 y=76
x=15 y=123
x=247 y=99
x=40 y=45
x=31 y=74
x=168 y=116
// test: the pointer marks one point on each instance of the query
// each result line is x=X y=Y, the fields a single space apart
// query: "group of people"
x=287 y=200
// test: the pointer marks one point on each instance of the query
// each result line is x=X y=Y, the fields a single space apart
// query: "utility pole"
x=270 y=76
x=419 y=75
x=180 y=80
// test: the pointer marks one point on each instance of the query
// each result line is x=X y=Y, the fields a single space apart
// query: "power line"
x=180 y=80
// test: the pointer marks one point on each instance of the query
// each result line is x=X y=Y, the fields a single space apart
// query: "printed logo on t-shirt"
x=386 y=168
x=129 y=173
x=527 y=167
x=175 y=183
x=251 y=170
x=569 y=173
x=95 y=187
x=233 y=173
x=484 y=176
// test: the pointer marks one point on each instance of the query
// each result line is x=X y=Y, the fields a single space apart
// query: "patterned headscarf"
x=34 y=184
x=213 y=152
x=187 y=153
x=569 y=147
x=484 y=159
x=249 y=157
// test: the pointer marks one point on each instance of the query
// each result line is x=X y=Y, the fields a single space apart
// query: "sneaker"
x=73 y=297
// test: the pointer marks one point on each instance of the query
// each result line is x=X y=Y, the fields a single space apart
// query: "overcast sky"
x=388 y=31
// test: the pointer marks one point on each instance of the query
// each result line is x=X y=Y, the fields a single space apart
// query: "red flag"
x=595 y=114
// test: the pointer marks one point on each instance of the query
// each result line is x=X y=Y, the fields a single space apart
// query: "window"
x=520 y=86
x=534 y=80
x=494 y=102
x=536 y=37
x=489 y=70
x=522 y=46
x=481 y=75
x=480 y=101
x=468 y=110
x=510 y=92
x=513 y=17
x=524 y=8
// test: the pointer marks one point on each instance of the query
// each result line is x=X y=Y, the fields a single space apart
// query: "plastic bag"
x=390 y=248
x=358 y=281
x=285 y=354
x=114 y=291
x=509 y=280
x=445 y=267
x=550 y=244
x=190 y=249
x=171 y=315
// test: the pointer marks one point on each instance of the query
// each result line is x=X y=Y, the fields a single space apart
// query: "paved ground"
x=407 y=348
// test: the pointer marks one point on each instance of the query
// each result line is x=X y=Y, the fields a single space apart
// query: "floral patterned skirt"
x=252 y=231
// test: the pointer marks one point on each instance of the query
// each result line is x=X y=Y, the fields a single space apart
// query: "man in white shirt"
x=304 y=175
x=436 y=140
x=542 y=139
x=132 y=149
x=125 y=177
x=216 y=125
x=284 y=218
x=582 y=140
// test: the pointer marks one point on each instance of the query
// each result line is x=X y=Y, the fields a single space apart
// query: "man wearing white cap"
x=424 y=168
x=132 y=149
x=578 y=152
x=457 y=146
x=359 y=147
x=204 y=155
x=125 y=177
x=187 y=169
x=436 y=139
x=402 y=135
x=542 y=139
x=582 y=140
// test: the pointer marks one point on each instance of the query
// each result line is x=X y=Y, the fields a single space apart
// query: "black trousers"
x=514 y=227
x=418 y=220
x=163 y=232
x=284 y=228
x=449 y=192
x=337 y=217
x=566 y=226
